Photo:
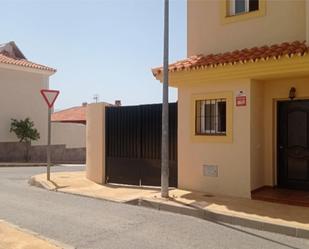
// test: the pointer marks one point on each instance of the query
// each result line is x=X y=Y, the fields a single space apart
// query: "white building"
x=20 y=83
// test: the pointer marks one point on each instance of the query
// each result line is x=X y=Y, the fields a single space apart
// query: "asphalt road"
x=88 y=223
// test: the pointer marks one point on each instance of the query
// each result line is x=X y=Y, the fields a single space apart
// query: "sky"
x=104 y=47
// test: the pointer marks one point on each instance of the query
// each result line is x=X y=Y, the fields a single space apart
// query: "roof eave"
x=296 y=66
x=28 y=69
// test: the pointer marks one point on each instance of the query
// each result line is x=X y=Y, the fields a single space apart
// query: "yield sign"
x=50 y=96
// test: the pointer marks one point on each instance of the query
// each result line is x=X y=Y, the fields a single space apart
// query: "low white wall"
x=70 y=134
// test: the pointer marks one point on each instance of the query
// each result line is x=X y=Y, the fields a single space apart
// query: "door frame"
x=277 y=169
x=277 y=144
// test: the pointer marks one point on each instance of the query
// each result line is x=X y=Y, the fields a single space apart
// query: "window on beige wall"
x=237 y=7
x=210 y=117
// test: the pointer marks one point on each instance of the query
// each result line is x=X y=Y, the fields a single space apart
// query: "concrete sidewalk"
x=12 y=237
x=280 y=218
x=76 y=183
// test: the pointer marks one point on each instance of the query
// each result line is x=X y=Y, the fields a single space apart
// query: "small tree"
x=25 y=132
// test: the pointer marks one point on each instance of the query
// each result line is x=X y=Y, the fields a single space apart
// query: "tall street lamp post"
x=165 y=132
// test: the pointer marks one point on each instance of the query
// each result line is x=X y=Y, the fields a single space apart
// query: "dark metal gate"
x=133 y=144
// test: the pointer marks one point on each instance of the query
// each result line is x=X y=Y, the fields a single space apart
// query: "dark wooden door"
x=133 y=144
x=293 y=144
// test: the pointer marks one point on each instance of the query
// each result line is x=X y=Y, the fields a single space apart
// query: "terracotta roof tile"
x=71 y=115
x=6 y=59
x=238 y=56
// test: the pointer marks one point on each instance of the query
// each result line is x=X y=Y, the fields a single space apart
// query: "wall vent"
x=210 y=170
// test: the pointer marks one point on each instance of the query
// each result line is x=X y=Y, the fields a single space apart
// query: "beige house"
x=20 y=83
x=243 y=96
x=69 y=127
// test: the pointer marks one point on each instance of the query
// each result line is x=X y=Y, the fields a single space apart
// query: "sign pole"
x=50 y=97
x=48 y=143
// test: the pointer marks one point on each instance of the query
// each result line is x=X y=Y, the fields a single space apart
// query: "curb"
x=192 y=211
x=221 y=218
x=33 y=182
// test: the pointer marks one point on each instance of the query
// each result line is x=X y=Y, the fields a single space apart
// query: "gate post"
x=95 y=142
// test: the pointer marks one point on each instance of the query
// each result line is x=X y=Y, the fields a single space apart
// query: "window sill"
x=212 y=138
x=208 y=134
x=241 y=14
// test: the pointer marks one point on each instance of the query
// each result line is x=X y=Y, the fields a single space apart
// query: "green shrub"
x=24 y=130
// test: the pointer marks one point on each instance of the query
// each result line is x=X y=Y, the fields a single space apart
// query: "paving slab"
x=77 y=183
x=282 y=214
x=12 y=237
x=268 y=216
